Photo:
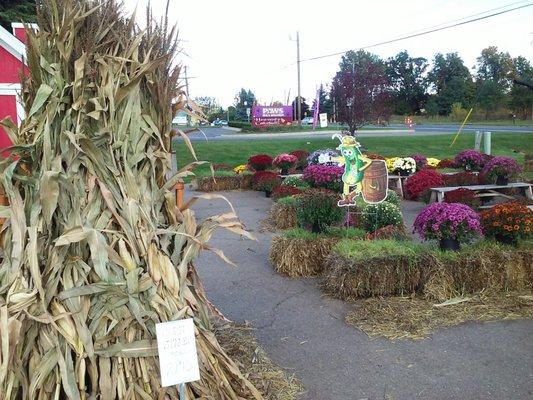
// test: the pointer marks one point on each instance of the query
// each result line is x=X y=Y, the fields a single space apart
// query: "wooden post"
x=179 y=194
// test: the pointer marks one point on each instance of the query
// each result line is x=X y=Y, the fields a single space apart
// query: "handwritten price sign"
x=178 y=359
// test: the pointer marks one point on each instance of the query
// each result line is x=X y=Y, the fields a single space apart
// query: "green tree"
x=521 y=101
x=493 y=79
x=326 y=103
x=451 y=81
x=408 y=82
x=243 y=100
x=210 y=107
x=16 y=11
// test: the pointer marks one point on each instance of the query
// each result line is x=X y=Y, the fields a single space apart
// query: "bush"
x=393 y=198
x=504 y=167
x=511 y=219
x=301 y=155
x=376 y=216
x=240 y=124
x=296 y=182
x=463 y=196
x=317 y=209
x=470 y=160
x=418 y=184
x=324 y=176
x=448 y=221
x=260 y=162
x=265 y=180
x=282 y=191
x=461 y=179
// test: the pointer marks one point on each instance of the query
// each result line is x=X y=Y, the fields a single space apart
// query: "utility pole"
x=299 y=101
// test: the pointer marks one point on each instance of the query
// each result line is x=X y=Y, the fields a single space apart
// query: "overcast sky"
x=247 y=43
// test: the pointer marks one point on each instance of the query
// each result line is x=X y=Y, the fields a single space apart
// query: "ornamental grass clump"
x=260 y=162
x=324 y=176
x=508 y=220
x=470 y=160
x=500 y=168
x=439 y=221
x=95 y=251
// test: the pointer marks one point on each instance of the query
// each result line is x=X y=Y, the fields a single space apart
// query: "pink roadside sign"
x=271 y=115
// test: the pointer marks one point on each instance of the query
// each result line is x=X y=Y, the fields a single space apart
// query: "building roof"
x=12 y=44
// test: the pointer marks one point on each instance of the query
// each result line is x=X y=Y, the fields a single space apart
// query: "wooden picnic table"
x=437 y=193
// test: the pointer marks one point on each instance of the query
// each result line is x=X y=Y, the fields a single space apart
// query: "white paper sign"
x=323 y=120
x=176 y=345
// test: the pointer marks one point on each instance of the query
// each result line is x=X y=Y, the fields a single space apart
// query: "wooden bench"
x=437 y=193
x=397 y=180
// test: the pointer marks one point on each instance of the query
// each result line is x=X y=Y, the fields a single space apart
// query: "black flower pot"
x=508 y=240
x=315 y=228
x=268 y=193
x=450 y=244
x=404 y=172
x=284 y=171
x=502 y=180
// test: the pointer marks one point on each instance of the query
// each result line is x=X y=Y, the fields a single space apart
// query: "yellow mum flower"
x=239 y=169
x=433 y=162
x=390 y=162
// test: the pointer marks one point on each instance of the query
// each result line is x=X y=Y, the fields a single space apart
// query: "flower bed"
x=324 y=176
x=301 y=156
x=508 y=220
x=285 y=161
x=282 y=191
x=265 y=181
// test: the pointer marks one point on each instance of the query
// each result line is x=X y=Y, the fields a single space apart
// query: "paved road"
x=216 y=134
x=305 y=332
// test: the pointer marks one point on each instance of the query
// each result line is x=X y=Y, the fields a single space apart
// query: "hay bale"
x=221 y=183
x=357 y=269
x=484 y=267
x=294 y=257
x=283 y=216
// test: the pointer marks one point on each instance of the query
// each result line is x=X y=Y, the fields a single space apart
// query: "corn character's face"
x=349 y=152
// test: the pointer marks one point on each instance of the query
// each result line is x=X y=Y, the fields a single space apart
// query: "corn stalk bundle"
x=95 y=251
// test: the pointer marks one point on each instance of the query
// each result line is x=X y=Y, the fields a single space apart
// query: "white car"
x=307 y=121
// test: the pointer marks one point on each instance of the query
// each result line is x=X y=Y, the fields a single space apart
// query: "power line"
x=418 y=34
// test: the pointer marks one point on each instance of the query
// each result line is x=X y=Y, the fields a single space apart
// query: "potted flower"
x=449 y=223
x=507 y=222
x=500 y=169
x=285 y=162
x=470 y=160
x=417 y=186
x=260 y=162
x=239 y=169
x=265 y=181
x=433 y=162
x=301 y=155
x=324 y=176
x=420 y=160
x=404 y=166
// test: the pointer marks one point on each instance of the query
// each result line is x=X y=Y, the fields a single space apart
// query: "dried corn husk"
x=96 y=252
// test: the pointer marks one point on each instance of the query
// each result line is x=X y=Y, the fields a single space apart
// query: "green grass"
x=360 y=250
x=399 y=119
x=333 y=232
x=237 y=152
